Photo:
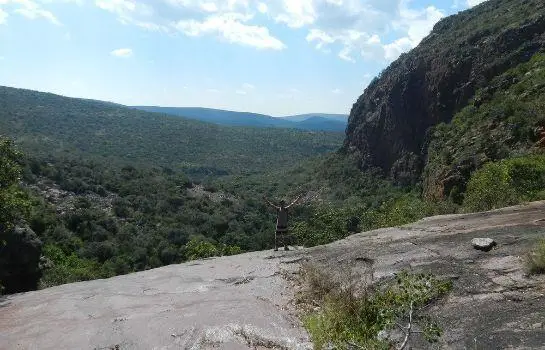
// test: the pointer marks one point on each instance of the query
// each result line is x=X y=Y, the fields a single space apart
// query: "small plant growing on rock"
x=349 y=314
x=535 y=261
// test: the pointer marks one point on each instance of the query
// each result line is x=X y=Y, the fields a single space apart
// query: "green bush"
x=69 y=268
x=535 y=261
x=14 y=202
x=329 y=223
x=19 y=247
x=352 y=318
x=507 y=182
x=199 y=248
x=326 y=224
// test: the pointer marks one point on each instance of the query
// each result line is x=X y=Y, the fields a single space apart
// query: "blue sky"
x=276 y=57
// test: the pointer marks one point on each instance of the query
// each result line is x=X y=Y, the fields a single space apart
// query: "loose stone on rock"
x=484 y=244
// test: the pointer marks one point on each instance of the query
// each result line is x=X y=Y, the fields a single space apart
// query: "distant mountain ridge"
x=312 y=121
x=302 y=117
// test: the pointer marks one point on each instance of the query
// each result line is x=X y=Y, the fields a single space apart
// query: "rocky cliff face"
x=389 y=125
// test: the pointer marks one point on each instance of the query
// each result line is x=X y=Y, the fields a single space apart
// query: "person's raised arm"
x=270 y=203
x=295 y=201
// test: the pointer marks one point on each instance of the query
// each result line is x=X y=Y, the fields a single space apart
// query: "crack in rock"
x=249 y=335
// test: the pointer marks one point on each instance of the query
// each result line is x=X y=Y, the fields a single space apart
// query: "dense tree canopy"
x=13 y=203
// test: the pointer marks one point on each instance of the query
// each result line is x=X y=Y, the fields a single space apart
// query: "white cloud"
x=213 y=91
x=373 y=29
x=245 y=89
x=396 y=48
x=471 y=3
x=123 y=52
x=297 y=13
x=120 y=7
x=231 y=27
x=321 y=37
x=2 y=58
x=262 y=7
x=350 y=41
x=3 y=16
x=77 y=2
x=196 y=6
x=31 y=10
x=209 y=7
x=354 y=29
x=336 y=91
x=139 y=13
x=230 y=20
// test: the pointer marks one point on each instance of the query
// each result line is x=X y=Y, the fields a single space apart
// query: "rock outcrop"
x=389 y=125
x=20 y=250
x=245 y=301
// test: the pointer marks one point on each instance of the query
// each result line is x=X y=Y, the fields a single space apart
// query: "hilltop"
x=313 y=121
x=301 y=117
x=49 y=124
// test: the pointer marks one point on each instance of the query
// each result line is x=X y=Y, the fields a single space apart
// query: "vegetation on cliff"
x=500 y=122
x=389 y=125
x=20 y=249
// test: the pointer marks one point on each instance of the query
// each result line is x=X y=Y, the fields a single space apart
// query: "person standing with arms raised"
x=281 y=221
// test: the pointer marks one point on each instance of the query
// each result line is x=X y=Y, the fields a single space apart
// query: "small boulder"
x=484 y=244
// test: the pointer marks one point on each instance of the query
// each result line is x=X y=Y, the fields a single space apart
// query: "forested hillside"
x=110 y=190
x=50 y=125
x=221 y=117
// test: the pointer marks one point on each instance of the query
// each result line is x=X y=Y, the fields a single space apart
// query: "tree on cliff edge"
x=20 y=248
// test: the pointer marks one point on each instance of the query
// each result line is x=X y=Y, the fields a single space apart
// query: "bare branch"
x=408 y=332
x=401 y=328
x=355 y=345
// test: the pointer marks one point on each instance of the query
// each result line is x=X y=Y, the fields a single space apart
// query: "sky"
x=278 y=57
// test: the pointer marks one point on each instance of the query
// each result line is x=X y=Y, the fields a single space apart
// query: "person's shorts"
x=281 y=229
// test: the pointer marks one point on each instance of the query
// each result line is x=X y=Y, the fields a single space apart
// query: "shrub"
x=230 y=249
x=329 y=223
x=352 y=314
x=326 y=224
x=507 y=182
x=69 y=268
x=535 y=261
